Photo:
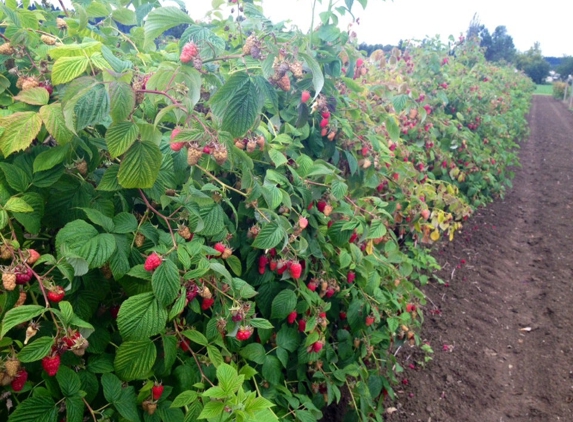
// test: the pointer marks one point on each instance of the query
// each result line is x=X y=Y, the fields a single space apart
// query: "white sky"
x=386 y=22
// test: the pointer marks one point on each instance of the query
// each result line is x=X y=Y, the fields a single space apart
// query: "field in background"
x=545 y=89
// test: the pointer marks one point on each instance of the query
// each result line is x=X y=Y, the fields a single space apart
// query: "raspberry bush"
x=230 y=224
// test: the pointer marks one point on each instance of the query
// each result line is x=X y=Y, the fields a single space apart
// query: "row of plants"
x=232 y=224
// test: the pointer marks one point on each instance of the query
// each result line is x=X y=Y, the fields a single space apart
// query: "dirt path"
x=502 y=331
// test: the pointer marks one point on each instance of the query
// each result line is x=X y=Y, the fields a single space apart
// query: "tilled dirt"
x=502 y=327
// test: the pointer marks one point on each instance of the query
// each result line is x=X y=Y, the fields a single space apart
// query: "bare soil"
x=502 y=327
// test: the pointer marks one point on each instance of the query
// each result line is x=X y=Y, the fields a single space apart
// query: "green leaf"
x=261 y=323
x=254 y=352
x=228 y=378
x=36 y=350
x=20 y=129
x=117 y=64
x=288 y=338
x=283 y=304
x=277 y=157
x=317 y=76
x=74 y=408
x=69 y=381
x=184 y=399
x=85 y=49
x=377 y=229
x=120 y=136
x=134 y=359
x=220 y=269
x=97 y=250
x=141 y=316
x=109 y=182
x=165 y=282
x=161 y=19
x=34 y=96
x=93 y=107
x=140 y=166
x=212 y=409
x=53 y=119
x=16 y=204
x=50 y=158
x=235 y=264
x=127 y=405
x=208 y=43
x=66 y=69
x=37 y=409
x=237 y=103
x=96 y=217
x=124 y=222
x=272 y=370
x=67 y=312
x=16 y=316
x=196 y=337
x=124 y=16
x=31 y=220
x=122 y=98
x=214 y=355
x=111 y=387
x=269 y=236
x=393 y=128
x=16 y=177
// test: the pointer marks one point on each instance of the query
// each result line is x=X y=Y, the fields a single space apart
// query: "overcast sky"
x=386 y=22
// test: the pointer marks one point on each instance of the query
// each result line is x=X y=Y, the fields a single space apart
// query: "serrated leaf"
x=272 y=370
x=221 y=270
x=127 y=405
x=16 y=204
x=50 y=158
x=97 y=217
x=277 y=157
x=165 y=282
x=339 y=189
x=235 y=264
x=141 y=316
x=196 y=337
x=393 y=128
x=212 y=409
x=140 y=166
x=37 y=409
x=317 y=76
x=16 y=316
x=254 y=352
x=124 y=222
x=53 y=119
x=109 y=181
x=31 y=220
x=36 y=350
x=75 y=50
x=74 y=409
x=261 y=323
x=97 y=250
x=283 y=304
x=120 y=136
x=269 y=236
x=122 y=99
x=34 y=96
x=124 y=16
x=66 y=69
x=377 y=230
x=20 y=129
x=134 y=359
x=69 y=381
x=214 y=355
x=161 y=19
x=184 y=399
x=93 y=107
x=16 y=177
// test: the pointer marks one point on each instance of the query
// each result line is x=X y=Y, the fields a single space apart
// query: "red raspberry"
x=323 y=123
x=152 y=262
x=312 y=285
x=342 y=315
x=353 y=237
x=359 y=62
x=157 y=391
x=295 y=270
x=321 y=205
x=219 y=247
x=174 y=133
x=410 y=307
x=369 y=320
x=192 y=291
x=305 y=96
x=303 y=223
x=189 y=52
x=185 y=345
x=176 y=146
x=325 y=114
x=244 y=333
x=330 y=292
x=273 y=264
x=56 y=295
x=20 y=380
x=207 y=303
x=281 y=267
x=51 y=364
x=317 y=347
x=291 y=317
x=23 y=275
x=351 y=276
x=302 y=325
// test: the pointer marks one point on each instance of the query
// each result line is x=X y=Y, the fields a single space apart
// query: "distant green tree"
x=498 y=46
x=533 y=64
x=566 y=67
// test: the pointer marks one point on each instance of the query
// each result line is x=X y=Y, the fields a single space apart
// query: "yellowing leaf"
x=20 y=129
x=435 y=236
x=68 y=68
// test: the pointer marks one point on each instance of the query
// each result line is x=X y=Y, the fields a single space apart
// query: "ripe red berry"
x=351 y=276
x=207 y=303
x=244 y=333
x=353 y=237
x=329 y=292
x=177 y=146
x=281 y=266
x=291 y=318
x=359 y=62
x=174 y=133
x=325 y=114
x=302 y=325
x=317 y=346
x=342 y=315
x=56 y=295
x=369 y=320
x=24 y=276
x=189 y=52
x=312 y=285
x=410 y=307
x=321 y=205
x=295 y=270
x=157 y=391
x=20 y=380
x=219 y=247
x=323 y=123
x=185 y=345
x=273 y=264
x=305 y=96
x=152 y=262
x=51 y=364
x=425 y=214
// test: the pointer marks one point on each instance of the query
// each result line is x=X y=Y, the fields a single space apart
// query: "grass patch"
x=544 y=89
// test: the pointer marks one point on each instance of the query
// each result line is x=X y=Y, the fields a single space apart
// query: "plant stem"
x=164 y=218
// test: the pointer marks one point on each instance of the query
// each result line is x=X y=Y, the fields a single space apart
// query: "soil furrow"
x=503 y=350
